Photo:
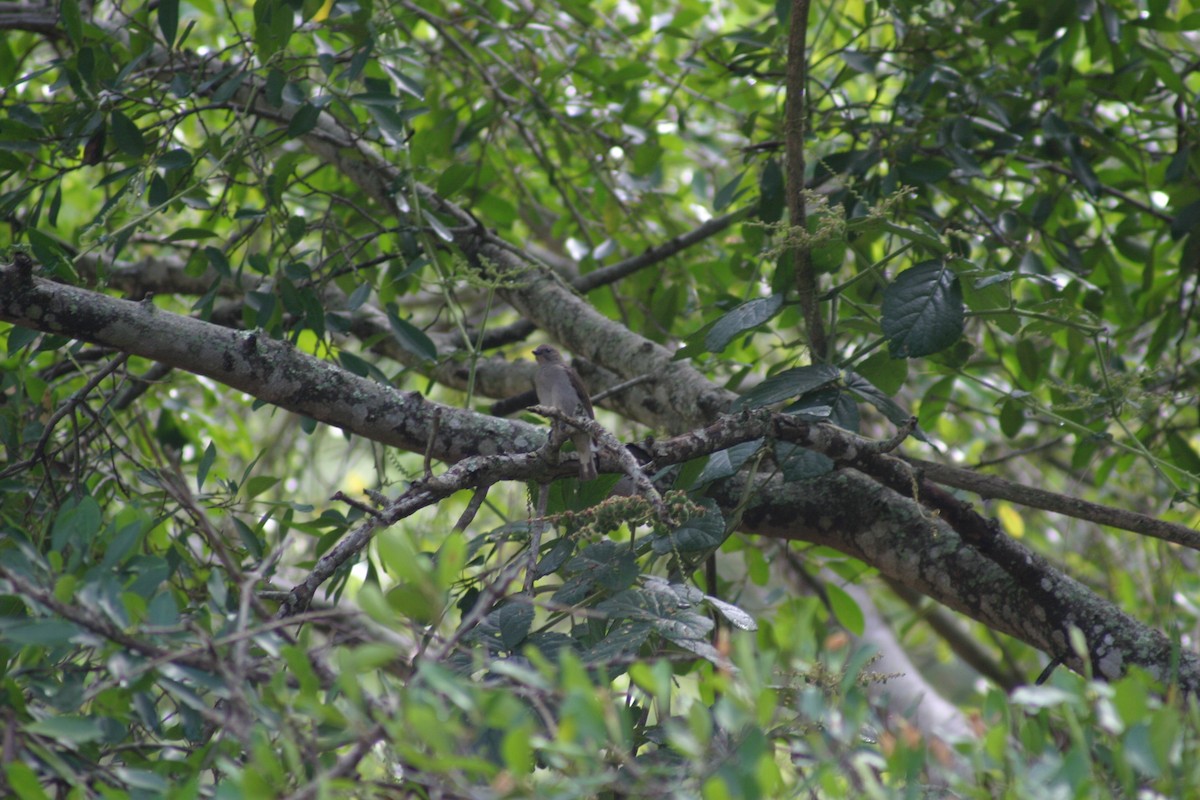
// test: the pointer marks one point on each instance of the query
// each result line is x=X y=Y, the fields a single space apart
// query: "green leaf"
x=18 y=337
x=74 y=729
x=45 y=632
x=1012 y=417
x=168 y=20
x=51 y=254
x=698 y=535
x=789 y=384
x=176 y=159
x=77 y=523
x=514 y=620
x=303 y=121
x=771 y=197
x=922 y=310
x=259 y=484
x=745 y=317
x=206 y=462
x=24 y=781
x=439 y=227
x=884 y=372
x=799 y=463
x=411 y=338
x=127 y=135
x=724 y=463
x=454 y=178
x=736 y=616
x=191 y=234
x=72 y=21
x=845 y=609
x=728 y=193
x=894 y=412
x=273 y=25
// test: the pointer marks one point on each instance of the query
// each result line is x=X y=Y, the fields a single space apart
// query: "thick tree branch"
x=920 y=550
x=270 y=370
x=953 y=556
x=32 y=18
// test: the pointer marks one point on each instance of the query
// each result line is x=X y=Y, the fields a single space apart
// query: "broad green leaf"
x=454 y=178
x=727 y=462
x=922 y=310
x=72 y=20
x=747 y=316
x=411 y=338
x=77 y=523
x=884 y=372
x=698 y=535
x=176 y=159
x=74 y=729
x=514 y=620
x=799 y=463
x=736 y=616
x=303 y=121
x=46 y=632
x=24 y=781
x=789 y=384
x=845 y=609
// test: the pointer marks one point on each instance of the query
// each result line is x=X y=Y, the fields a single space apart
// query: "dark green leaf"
x=895 y=414
x=73 y=729
x=922 y=310
x=303 y=121
x=514 y=620
x=728 y=193
x=698 y=535
x=276 y=81
x=747 y=316
x=127 y=135
x=623 y=640
x=801 y=464
x=190 y=234
x=1012 y=418
x=77 y=523
x=206 y=462
x=18 y=337
x=168 y=20
x=175 y=159
x=789 y=384
x=412 y=338
x=727 y=462
x=72 y=21
x=454 y=178
x=225 y=92
x=46 y=632
x=771 y=198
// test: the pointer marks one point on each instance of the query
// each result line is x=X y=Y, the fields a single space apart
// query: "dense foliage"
x=841 y=271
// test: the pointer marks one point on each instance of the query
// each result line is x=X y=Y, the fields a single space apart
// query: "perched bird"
x=559 y=386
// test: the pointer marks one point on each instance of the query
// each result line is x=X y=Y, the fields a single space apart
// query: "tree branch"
x=991 y=486
x=794 y=124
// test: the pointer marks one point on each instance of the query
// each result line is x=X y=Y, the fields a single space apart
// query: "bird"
x=559 y=386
